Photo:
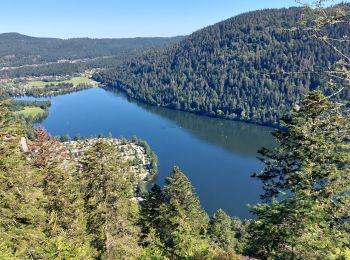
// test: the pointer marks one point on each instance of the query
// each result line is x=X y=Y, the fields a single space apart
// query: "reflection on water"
x=236 y=137
x=217 y=155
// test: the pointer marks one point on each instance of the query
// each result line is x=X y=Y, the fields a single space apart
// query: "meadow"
x=30 y=112
x=74 y=80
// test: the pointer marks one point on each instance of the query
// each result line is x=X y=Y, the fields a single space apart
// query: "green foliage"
x=61 y=248
x=53 y=208
x=111 y=211
x=16 y=105
x=65 y=138
x=55 y=89
x=35 y=50
x=29 y=111
x=90 y=212
x=251 y=67
x=154 y=250
x=183 y=202
x=306 y=182
x=70 y=80
x=32 y=114
x=150 y=218
x=92 y=53
x=173 y=215
x=63 y=203
x=240 y=229
x=221 y=233
x=22 y=219
x=227 y=256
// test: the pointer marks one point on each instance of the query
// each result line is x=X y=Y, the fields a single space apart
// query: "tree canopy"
x=252 y=67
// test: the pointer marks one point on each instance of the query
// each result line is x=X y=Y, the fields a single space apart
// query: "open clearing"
x=30 y=111
x=74 y=80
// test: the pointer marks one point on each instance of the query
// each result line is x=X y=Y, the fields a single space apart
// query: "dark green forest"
x=17 y=50
x=253 y=67
x=65 y=68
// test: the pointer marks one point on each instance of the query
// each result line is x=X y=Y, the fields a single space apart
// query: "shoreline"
x=134 y=153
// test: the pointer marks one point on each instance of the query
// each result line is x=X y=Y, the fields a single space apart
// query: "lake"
x=218 y=156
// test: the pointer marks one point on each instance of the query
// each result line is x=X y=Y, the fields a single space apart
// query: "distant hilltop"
x=252 y=67
x=17 y=49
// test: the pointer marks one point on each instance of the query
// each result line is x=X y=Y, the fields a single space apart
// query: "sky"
x=121 y=18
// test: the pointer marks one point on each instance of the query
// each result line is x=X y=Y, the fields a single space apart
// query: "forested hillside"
x=252 y=67
x=17 y=49
x=83 y=202
x=25 y=56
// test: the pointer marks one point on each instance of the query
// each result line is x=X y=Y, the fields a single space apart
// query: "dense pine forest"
x=54 y=207
x=253 y=67
x=17 y=49
x=53 y=57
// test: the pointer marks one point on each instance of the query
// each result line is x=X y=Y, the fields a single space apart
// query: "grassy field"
x=74 y=80
x=30 y=111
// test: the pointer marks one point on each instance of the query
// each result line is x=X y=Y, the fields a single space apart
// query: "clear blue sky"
x=120 y=18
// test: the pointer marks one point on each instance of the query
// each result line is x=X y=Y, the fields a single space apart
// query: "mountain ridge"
x=18 y=49
x=17 y=34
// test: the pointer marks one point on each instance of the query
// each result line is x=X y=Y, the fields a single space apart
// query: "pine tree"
x=306 y=182
x=240 y=228
x=66 y=222
x=151 y=223
x=150 y=218
x=220 y=232
x=154 y=249
x=44 y=150
x=111 y=209
x=22 y=221
x=184 y=222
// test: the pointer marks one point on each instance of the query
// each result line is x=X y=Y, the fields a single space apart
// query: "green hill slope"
x=17 y=49
x=234 y=69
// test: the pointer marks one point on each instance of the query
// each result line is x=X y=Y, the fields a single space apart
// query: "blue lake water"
x=217 y=155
